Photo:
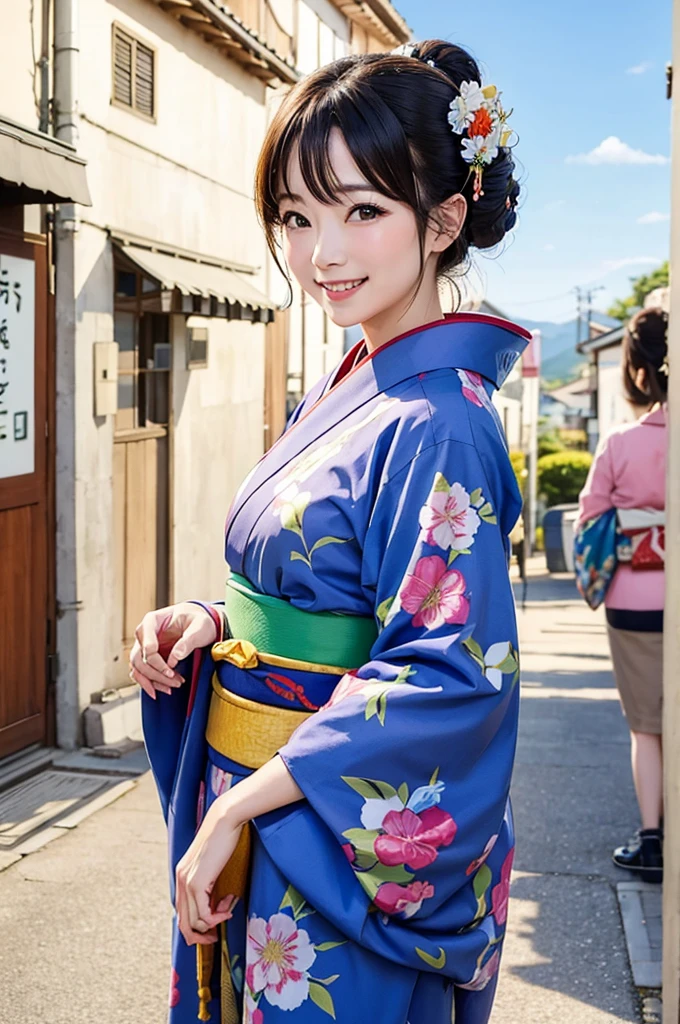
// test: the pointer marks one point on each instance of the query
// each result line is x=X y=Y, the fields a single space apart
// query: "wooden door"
x=140 y=484
x=275 y=377
x=25 y=544
x=141 y=464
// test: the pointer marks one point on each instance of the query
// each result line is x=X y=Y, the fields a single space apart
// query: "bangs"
x=371 y=130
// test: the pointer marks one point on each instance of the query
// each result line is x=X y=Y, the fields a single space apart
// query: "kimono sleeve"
x=406 y=769
x=597 y=494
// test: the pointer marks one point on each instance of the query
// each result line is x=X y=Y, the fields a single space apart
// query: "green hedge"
x=519 y=466
x=561 y=476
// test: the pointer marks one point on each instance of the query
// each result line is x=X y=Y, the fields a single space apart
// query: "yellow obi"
x=248 y=732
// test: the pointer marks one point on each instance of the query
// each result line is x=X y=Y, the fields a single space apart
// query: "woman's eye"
x=294 y=220
x=366 y=212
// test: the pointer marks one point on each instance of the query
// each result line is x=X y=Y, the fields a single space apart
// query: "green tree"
x=623 y=309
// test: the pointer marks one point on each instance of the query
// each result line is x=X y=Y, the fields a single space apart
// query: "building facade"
x=35 y=170
x=174 y=364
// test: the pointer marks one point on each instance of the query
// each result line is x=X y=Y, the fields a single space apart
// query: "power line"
x=547 y=298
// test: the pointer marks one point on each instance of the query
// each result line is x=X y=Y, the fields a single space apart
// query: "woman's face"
x=360 y=257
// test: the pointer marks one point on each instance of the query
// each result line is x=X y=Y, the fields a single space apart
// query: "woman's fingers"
x=226 y=906
x=147 y=637
x=192 y=936
x=151 y=673
x=145 y=684
x=199 y=633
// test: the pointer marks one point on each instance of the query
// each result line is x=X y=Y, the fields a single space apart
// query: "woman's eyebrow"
x=349 y=187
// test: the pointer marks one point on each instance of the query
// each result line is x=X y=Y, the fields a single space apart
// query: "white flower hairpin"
x=478 y=114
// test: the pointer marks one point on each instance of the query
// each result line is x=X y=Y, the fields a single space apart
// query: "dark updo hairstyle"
x=645 y=347
x=392 y=111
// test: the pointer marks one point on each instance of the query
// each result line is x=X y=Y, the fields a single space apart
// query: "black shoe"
x=644 y=855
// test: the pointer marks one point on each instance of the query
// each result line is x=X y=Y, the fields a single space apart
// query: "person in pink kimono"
x=629 y=472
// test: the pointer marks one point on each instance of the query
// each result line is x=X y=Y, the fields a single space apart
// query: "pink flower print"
x=348 y=685
x=413 y=839
x=500 y=894
x=449 y=520
x=473 y=387
x=483 y=975
x=402 y=900
x=174 y=988
x=220 y=780
x=480 y=860
x=278 y=955
x=253 y=1015
x=434 y=595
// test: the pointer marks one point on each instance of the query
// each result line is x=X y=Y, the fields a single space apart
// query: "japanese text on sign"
x=17 y=358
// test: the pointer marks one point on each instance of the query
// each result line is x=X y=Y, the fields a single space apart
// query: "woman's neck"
x=399 y=319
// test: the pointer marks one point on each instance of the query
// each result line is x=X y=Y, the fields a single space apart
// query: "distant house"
x=609 y=404
x=568 y=406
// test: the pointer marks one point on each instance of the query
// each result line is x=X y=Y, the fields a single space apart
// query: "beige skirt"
x=638 y=670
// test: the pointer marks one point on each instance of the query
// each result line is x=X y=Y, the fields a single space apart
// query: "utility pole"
x=579 y=292
x=589 y=307
x=584 y=301
x=671 y=636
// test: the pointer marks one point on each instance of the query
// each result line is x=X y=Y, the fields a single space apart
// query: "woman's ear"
x=449 y=218
x=641 y=380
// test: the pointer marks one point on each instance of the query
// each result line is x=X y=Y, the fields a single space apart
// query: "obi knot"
x=240 y=653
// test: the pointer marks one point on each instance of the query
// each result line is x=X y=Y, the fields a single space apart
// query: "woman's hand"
x=199 y=869
x=164 y=638
x=269 y=787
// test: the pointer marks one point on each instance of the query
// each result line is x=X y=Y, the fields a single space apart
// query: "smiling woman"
x=347 y=747
x=363 y=159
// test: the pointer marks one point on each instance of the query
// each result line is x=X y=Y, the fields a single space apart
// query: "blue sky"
x=576 y=74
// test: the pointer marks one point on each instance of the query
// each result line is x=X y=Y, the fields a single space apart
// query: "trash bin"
x=568 y=522
x=558 y=537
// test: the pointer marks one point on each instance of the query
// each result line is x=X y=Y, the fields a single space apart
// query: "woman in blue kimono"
x=346 y=745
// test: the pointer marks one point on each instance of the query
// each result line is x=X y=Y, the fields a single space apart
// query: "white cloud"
x=613 y=151
x=639 y=69
x=653 y=218
x=549 y=247
x=629 y=261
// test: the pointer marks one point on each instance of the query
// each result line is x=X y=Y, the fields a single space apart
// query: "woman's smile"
x=339 y=290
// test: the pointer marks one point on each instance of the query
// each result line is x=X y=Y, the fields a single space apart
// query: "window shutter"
x=122 y=68
x=144 y=80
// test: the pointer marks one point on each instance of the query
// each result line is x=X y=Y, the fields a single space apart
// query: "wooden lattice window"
x=134 y=73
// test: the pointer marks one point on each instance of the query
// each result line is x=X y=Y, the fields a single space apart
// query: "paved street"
x=84 y=923
x=565 y=959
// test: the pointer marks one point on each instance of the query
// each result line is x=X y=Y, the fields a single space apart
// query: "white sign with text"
x=17 y=366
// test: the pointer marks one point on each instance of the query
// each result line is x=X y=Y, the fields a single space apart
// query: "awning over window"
x=205 y=286
x=37 y=168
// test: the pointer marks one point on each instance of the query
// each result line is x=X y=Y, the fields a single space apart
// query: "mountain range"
x=559 y=359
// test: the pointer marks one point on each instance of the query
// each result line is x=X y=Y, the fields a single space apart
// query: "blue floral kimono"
x=383 y=895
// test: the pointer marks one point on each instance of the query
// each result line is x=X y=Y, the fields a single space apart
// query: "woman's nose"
x=328 y=251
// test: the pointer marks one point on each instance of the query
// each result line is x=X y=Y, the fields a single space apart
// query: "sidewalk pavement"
x=565 y=958
x=85 y=921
